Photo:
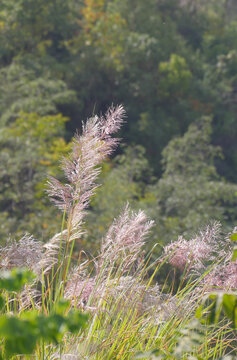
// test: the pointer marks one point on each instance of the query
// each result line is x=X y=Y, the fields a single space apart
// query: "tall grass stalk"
x=128 y=312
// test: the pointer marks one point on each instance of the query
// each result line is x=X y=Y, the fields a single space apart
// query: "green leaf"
x=76 y=321
x=51 y=328
x=14 y=280
x=62 y=306
x=2 y=302
x=20 y=335
x=233 y=237
x=234 y=256
x=229 y=303
x=235 y=316
x=20 y=345
x=216 y=307
x=199 y=312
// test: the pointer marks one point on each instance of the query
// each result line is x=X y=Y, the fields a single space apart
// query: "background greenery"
x=172 y=63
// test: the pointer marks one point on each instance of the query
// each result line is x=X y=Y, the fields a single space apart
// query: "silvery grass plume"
x=125 y=239
x=192 y=254
x=51 y=252
x=27 y=252
x=34 y=255
x=31 y=253
x=118 y=266
x=198 y=255
x=223 y=276
x=81 y=168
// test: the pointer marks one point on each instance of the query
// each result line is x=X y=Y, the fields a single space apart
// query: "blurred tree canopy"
x=189 y=195
x=172 y=63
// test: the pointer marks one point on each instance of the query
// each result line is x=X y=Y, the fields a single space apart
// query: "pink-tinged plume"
x=81 y=168
x=192 y=254
x=125 y=238
x=223 y=276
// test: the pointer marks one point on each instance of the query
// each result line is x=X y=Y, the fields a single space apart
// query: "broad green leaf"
x=229 y=303
x=20 y=345
x=76 y=321
x=62 y=306
x=22 y=333
x=233 y=237
x=14 y=280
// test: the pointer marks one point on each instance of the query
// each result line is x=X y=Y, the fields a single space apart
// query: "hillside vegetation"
x=143 y=266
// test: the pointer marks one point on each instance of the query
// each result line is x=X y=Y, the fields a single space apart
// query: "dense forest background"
x=171 y=63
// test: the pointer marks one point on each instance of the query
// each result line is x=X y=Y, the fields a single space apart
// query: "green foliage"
x=173 y=64
x=31 y=148
x=169 y=62
x=226 y=302
x=20 y=333
x=28 y=89
x=144 y=59
x=190 y=192
x=32 y=143
x=16 y=279
x=44 y=132
x=34 y=27
x=175 y=76
x=162 y=59
x=193 y=154
x=233 y=237
x=187 y=197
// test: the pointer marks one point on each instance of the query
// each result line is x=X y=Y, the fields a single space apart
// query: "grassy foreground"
x=110 y=307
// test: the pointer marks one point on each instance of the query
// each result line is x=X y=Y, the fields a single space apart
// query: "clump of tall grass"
x=129 y=312
x=207 y=248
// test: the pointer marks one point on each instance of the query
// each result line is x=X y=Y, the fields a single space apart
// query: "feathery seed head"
x=125 y=238
x=191 y=254
x=26 y=252
x=81 y=168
